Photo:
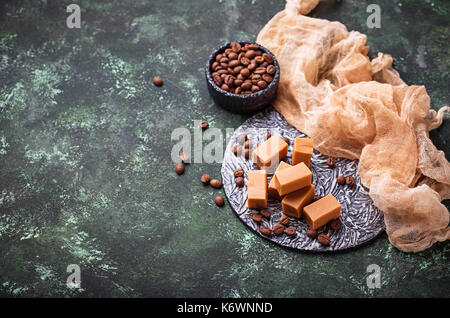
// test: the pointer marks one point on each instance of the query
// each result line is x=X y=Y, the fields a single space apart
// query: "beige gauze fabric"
x=359 y=108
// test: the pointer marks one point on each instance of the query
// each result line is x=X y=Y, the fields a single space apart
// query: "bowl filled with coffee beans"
x=242 y=76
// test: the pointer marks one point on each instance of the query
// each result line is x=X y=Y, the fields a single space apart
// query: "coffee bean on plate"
x=204 y=124
x=278 y=229
x=179 y=168
x=311 y=234
x=335 y=224
x=205 y=179
x=350 y=181
x=331 y=162
x=265 y=213
x=219 y=200
x=257 y=217
x=248 y=144
x=340 y=180
x=157 y=81
x=238 y=172
x=265 y=231
x=247 y=153
x=216 y=183
x=323 y=239
x=237 y=150
x=290 y=231
x=240 y=182
x=284 y=220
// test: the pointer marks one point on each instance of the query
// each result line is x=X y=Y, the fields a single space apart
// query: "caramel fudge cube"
x=273 y=191
x=292 y=179
x=294 y=202
x=269 y=153
x=257 y=189
x=302 y=151
x=322 y=211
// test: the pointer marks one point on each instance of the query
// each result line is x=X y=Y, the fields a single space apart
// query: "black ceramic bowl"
x=239 y=103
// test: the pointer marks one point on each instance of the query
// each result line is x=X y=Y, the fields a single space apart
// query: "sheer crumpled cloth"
x=359 y=108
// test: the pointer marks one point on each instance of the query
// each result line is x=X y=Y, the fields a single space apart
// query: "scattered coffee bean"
x=335 y=224
x=278 y=229
x=248 y=144
x=240 y=182
x=350 y=181
x=242 y=138
x=331 y=162
x=265 y=231
x=184 y=157
x=247 y=153
x=216 y=183
x=265 y=213
x=324 y=239
x=204 y=124
x=311 y=234
x=238 y=63
x=205 y=179
x=284 y=220
x=179 y=168
x=290 y=231
x=237 y=150
x=238 y=172
x=157 y=81
x=219 y=200
x=340 y=180
x=257 y=217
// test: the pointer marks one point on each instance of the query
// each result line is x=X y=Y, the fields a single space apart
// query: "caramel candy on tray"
x=294 y=202
x=322 y=211
x=273 y=191
x=257 y=189
x=292 y=178
x=269 y=153
x=302 y=151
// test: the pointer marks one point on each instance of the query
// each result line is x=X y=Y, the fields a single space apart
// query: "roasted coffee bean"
x=271 y=69
x=229 y=80
x=238 y=83
x=290 y=231
x=252 y=66
x=237 y=150
x=260 y=70
x=229 y=70
x=214 y=65
x=238 y=172
x=157 y=81
x=246 y=85
x=258 y=53
x=350 y=181
x=256 y=77
x=228 y=51
x=265 y=231
x=331 y=162
x=222 y=76
x=205 y=178
x=235 y=46
x=232 y=56
x=240 y=182
x=219 y=200
x=240 y=77
x=284 y=220
x=216 y=183
x=265 y=213
x=335 y=224
x=224 y=65
x=267 y=78
x=247 y=153
x=245 y=61
x=248 y=144
x=340 y=180
x=255 y=89
x=223 y=60
x=278 y=229
x=245 y=72
x=264 y=64
x=262 y=84
x=233 y=63
x=232 y=90
x=222 y=71
x=324 y=239
x=311 y=234
x=225 y=87
x=238 y=90
x=218 y=57
x=268 y=58
x=238 y=69
x=259 y=59
x=257 y=217
x=203 y=124
x=184 y=157
x=179 y=168
x=252 y=46
x=250 y=54
x=242 y=138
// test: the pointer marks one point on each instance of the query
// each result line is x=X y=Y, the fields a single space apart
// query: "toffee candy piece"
x=294 y=202
x=302 y=151
x=270 y=152
x=293 y=178
x=273 y=191
x=322 y=211
x=257 y=189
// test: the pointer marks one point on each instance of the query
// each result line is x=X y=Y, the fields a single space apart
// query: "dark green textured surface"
x=85 y=170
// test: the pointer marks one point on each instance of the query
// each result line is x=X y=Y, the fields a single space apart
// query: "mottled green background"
x=85 y=141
